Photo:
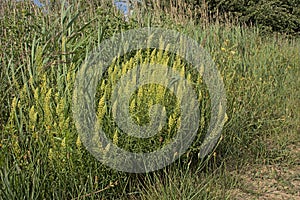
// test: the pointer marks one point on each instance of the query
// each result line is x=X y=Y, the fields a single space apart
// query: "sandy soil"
x=280 y=181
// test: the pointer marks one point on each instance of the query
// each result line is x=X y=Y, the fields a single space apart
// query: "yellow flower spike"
x=60 y=108
x=14 y=106
x=112 y=78
x=165 y=61
x=119 y=75
x=226 y=117
x=150 y=102
x=78 y=142
x=153 y=57
x=138 y=119
x=171 y=122
x=166 y=55
x=69 y=77
x=177 y=63
x=47 y=107
x=115 y=137
x=61 y=125
x=36 y=95
x=111 y=68
x=44 y=87
x=67 y=123
x=138 y=58
x=116 y=70
x=102 y=87
x=131 y=63
x=223 y=49
x=32 y=117
x=57 y=97
x=50 y=154
x=200 y=95
x=161 y=94
x=140 y=96
x=102 y=100
x=124 y=67
x=106 y=149
x=101 y=113
x=63 y=143
x=159 y=55
x=147 y=57
x=108 y=88
x=31 y=82
x=132 y=105
x=182 y=71
x=189 y=77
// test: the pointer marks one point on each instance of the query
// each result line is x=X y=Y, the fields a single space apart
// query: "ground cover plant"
x=42 y=156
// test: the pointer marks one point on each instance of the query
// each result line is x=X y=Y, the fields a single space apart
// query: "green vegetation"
x=41 y=155
x=281 y=16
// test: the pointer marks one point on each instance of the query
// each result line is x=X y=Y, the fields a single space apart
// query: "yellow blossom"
x=78 y=142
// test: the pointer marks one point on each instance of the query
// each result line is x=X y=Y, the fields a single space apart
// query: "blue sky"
x=38 y=3
x=122 y=5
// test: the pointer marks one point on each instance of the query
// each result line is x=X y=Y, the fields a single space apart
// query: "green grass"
x=41 y=156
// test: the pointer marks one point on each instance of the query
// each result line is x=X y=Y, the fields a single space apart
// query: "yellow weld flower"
x=159 y=55
x=36 y=95
x=177 y=63
x=101 y=102
x=153 y=57
x=78 y=142
x=32 y=117
x=140 y=95
x=171 y=122
x=47 y=107
x=67 y=123
x=115 y=138
x=63 y=143
x=132 y=105
x=14 y=106
x=50 y=154
x=60 y=109
x=106 y=149
x=189 y=78
x=44 y=87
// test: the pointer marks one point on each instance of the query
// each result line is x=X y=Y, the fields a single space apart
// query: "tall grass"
x=41 y=155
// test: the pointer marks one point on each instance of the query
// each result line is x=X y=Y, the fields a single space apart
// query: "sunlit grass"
x=41 y=155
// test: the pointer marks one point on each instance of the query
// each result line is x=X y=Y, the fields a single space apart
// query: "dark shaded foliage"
x=270 y=15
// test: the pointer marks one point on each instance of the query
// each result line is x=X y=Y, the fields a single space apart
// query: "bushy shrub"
x=269 y=15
